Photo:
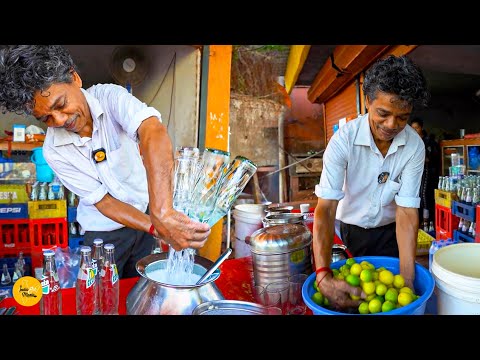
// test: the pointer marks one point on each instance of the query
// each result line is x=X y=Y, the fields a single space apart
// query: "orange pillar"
x=217 y=123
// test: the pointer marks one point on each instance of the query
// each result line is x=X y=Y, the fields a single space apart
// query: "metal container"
x=277 y=209
x=279 y=251
x=339 y=252
x=150 y=297
x=229 y=307
x=284 y=218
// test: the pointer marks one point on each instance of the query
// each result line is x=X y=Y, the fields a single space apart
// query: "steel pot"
x=284 y=218
x=279 y=251
x=150 y=297
x=339 y=252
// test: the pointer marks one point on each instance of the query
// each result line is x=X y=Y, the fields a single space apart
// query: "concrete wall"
x=168 y=82
x=254 y=129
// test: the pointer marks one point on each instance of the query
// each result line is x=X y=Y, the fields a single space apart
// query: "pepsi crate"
x=459 y=236
x=71 y=214
x=13 y=211
x=463 y=210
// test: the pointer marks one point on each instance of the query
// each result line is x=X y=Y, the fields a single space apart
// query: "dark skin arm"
x=407 y=230
x=173 y=227
x=337 y=291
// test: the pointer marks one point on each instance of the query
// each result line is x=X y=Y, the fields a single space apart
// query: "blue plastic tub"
x=424 y=285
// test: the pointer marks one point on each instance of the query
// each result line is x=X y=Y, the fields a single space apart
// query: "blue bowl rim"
x=405 y=310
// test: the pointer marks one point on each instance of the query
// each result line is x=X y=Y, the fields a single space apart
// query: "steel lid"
x=285 y=218
x=229 y=307
x=279 y=239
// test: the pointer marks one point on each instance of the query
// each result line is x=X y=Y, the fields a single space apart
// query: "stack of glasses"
x=205 y=187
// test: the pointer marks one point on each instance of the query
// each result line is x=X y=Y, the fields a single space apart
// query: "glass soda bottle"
x=86 y=285
x=51 y=300
x=109 y=283
x=97 y=263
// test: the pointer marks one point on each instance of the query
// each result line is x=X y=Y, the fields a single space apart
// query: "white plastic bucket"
x=248 y=219
x=456 y=271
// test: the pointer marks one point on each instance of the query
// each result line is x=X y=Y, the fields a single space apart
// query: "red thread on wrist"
x=322 y=269
x=151 y=230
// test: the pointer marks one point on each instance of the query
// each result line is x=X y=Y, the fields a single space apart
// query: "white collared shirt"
x=116 y=117
x=351 y=166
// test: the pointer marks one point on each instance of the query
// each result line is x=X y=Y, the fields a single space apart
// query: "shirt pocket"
x=389 y=191
x=119 y=164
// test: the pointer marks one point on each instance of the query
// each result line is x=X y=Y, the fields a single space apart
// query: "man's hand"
x=181 y=232
x=338 y=292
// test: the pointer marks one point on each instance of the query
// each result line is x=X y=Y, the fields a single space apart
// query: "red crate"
x=14 y=236
x=48 y=233
x=445 y=222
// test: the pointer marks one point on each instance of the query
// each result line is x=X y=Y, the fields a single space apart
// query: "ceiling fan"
x=128 y=66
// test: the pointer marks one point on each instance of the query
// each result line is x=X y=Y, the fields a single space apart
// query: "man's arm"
x=407 y=232
x=174 y=227
x=323 y=232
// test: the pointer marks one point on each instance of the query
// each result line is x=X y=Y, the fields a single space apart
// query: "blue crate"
x=71 y=214
x=463 y=210
x=6 y=290
x=10 y=261
x=75 y=242
x=459 y=236
x=14 y=211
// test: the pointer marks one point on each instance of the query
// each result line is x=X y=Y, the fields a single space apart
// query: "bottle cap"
x=98 y=242
x=109 y=247
x=85 y=249
x=48 y=252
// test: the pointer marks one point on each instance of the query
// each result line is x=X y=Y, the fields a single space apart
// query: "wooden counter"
x=15 y=145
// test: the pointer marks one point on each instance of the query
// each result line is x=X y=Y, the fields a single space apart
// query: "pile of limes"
x=385 y=291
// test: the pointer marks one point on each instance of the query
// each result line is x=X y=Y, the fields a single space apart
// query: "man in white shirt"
x=107 y=147
x=372 y=168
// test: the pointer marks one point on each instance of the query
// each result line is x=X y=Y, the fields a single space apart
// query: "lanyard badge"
x=99 y=155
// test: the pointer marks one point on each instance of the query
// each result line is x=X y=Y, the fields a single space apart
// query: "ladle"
x=215 y=265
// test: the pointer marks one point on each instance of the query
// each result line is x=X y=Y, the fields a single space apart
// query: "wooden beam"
x=296 y=59
x=350 y=60
x=346 y=62
x=217 y=124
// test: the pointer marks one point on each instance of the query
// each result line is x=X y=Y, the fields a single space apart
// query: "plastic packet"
x=68 y=263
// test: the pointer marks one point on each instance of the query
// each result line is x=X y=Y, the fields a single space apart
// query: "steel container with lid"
x=279 y=251
x=285 y=218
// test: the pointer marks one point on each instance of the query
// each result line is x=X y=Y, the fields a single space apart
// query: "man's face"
x=63 y=105
x=416 y=126
x=387 y=116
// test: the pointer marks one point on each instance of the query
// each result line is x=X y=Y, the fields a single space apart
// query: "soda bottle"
x=110 y=285
x=51 y=300
x=86 y=286
x=97 y=263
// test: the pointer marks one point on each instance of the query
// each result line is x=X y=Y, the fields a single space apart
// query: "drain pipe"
x=282 y=183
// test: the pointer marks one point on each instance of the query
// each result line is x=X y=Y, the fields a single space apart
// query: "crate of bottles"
x=13 y=193
x=445 y=222
x=465 y=211
x=14 y=236
x=462 y=237
x=48 y=233
x=44 y=209
x=477 y=227
x=444 y=198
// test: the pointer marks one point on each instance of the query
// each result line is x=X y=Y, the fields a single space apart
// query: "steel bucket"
x=150 y=297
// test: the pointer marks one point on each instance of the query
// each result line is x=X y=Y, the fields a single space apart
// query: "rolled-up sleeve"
x=128 y=110
x=411 y=178
x=333 y=172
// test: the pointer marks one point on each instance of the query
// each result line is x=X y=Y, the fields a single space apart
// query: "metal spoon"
x=215 y=265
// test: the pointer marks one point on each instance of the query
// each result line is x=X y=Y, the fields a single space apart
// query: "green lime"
x=353 y=280
x=317 y=298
